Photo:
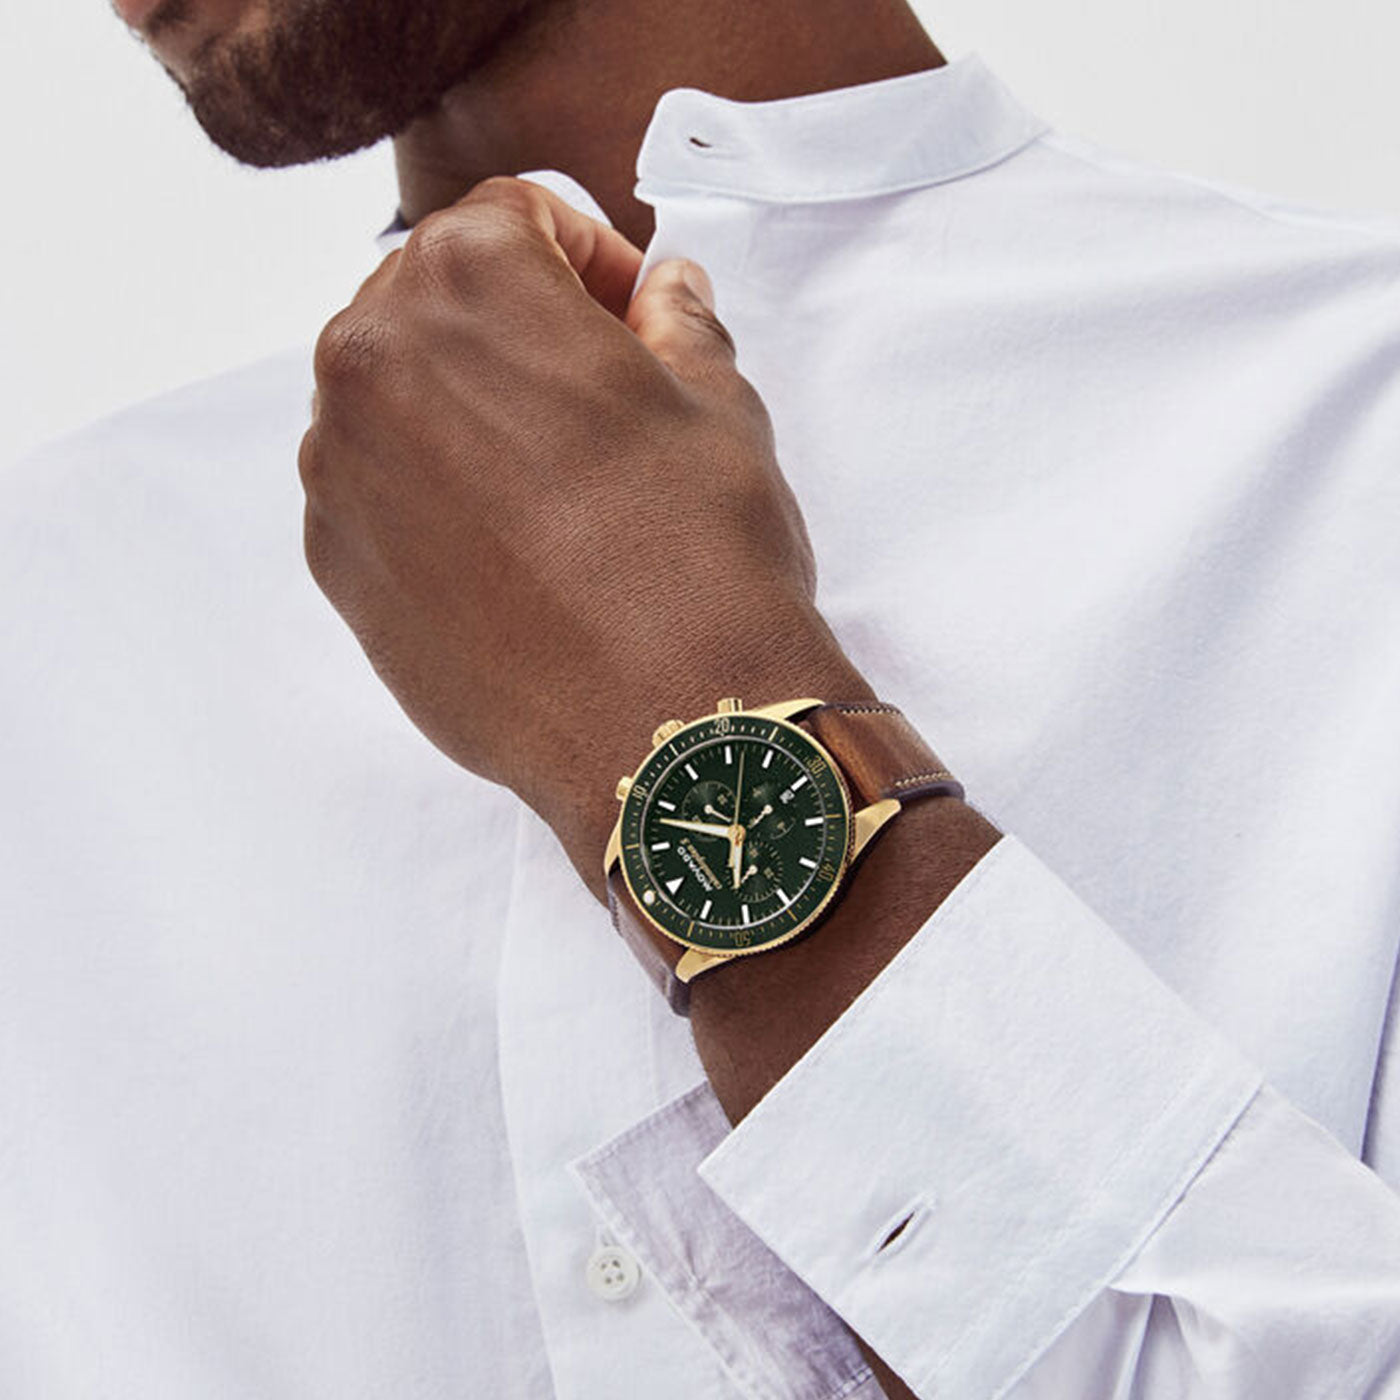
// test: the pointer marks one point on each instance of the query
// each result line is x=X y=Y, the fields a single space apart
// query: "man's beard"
x=327 y=77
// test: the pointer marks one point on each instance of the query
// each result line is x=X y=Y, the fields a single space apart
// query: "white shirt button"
x=612 y=1273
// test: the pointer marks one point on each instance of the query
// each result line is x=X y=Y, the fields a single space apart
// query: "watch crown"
x=729 y=706
x=624 y=786
x=664 y=731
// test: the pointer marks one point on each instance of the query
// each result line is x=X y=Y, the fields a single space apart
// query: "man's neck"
x=576 y=92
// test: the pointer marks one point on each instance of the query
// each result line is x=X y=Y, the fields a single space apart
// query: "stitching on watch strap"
x=939 y=774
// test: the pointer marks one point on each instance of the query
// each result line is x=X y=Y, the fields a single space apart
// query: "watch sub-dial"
x=764 y=815
x=708 y=801
x=760 y=870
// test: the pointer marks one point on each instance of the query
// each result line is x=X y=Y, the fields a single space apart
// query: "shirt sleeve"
x=1020 y=1165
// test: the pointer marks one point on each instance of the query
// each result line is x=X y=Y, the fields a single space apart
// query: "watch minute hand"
x=736 y=832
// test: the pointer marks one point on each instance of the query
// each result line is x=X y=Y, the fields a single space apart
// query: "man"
x=324 y=1073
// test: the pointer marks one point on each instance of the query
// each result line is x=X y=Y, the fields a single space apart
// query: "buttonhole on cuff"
x=897 y=1231
x=700 y=143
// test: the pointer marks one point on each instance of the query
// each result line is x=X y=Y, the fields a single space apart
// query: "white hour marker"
x=705 y=908
x=783 y=896
x=694 y=775
x=744 y=910
x=810 y=864
x=661 y=846
x=814 y=821
x=729 y=756
x=667 y=806
x=674 y=885
x=798 y=783
x=768 y=758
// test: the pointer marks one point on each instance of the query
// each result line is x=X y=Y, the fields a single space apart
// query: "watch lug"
x=787 y=709
x=693 y=962
x=613 y=853
x=730 y=705
x=868 y=822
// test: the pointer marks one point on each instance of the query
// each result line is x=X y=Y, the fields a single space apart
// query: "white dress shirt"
x=321 y=1075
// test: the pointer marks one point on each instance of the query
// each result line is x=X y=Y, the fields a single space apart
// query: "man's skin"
x=550 y=511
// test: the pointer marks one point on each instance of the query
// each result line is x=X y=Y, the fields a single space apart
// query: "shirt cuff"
x=986 y=1137
x=774 y=1337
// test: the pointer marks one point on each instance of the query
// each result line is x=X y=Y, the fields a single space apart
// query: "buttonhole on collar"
x=897 y=1231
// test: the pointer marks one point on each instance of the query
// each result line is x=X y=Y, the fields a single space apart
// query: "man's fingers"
x=673 y=314
x=602 y=258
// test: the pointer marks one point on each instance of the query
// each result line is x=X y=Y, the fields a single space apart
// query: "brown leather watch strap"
x=880 y=752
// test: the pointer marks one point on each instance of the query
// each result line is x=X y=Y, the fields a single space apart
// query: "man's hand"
x=554 y=516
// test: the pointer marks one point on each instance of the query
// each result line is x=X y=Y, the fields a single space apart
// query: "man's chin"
x=268 y=107
x=286 y=82
x=257 y=138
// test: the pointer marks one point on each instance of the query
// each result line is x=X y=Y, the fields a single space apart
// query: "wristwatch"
x=739 y=830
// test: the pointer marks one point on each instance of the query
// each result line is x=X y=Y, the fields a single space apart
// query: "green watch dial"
x=735 y=833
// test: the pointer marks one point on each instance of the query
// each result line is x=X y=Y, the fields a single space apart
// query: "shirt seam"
x=1111 y=164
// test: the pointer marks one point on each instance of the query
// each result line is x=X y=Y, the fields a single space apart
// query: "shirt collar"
x=847 y=143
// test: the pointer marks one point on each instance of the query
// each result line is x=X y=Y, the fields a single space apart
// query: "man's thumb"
x=673 y=314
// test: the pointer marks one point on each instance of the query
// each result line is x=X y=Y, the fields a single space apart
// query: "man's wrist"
x=781 y=663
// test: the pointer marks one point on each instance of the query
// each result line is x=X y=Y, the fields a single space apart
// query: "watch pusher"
x=664 y=730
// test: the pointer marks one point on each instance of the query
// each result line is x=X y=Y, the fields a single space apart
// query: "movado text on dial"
x=735 y=833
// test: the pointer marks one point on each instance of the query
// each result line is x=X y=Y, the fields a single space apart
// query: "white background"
x=134 y=257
